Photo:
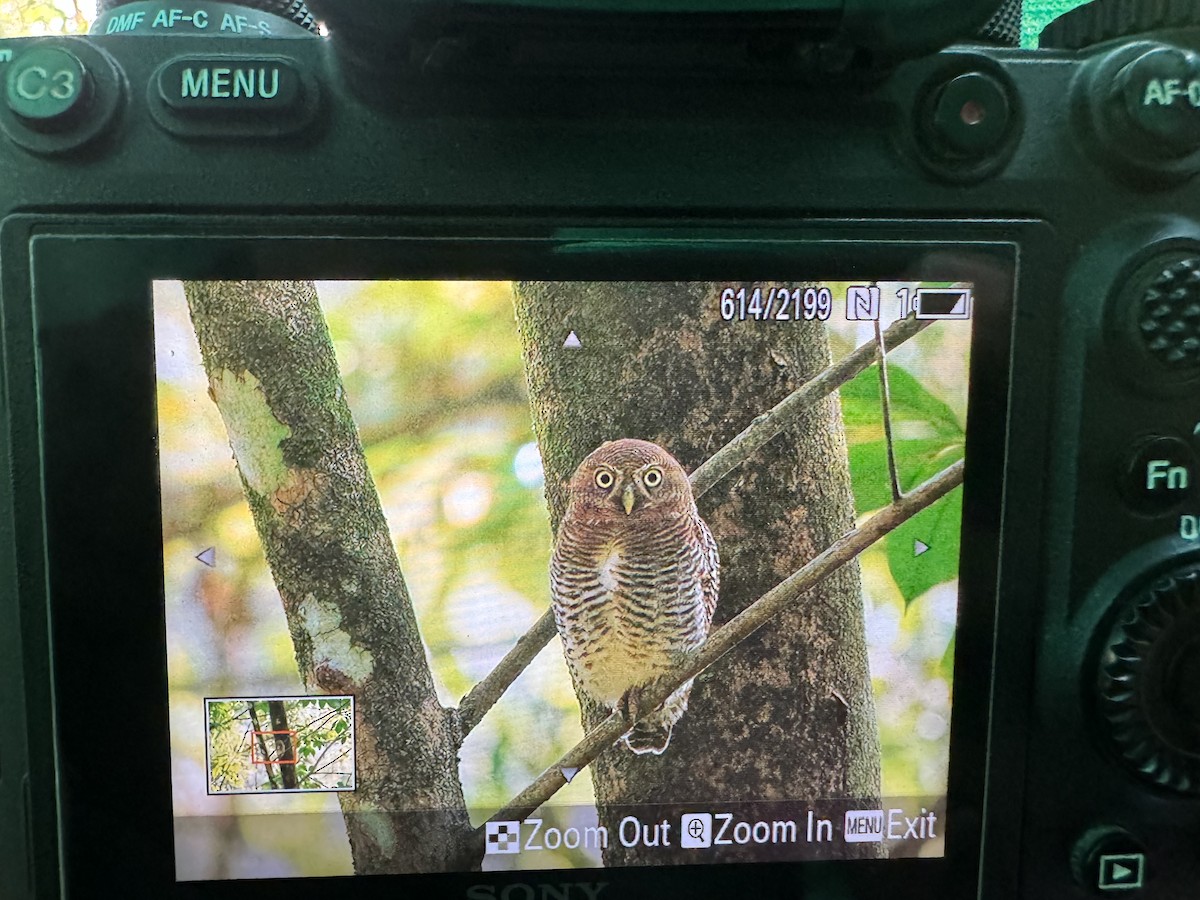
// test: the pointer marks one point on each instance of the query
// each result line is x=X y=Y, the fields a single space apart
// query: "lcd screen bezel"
x=98 y=415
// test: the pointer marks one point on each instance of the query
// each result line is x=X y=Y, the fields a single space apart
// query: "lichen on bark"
x=274 y=377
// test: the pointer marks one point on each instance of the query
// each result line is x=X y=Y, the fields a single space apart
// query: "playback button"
x=1159 y=475
x=1110 y=862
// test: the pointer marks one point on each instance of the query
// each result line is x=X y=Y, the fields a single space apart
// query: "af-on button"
x=1160 y=93
x=1138 y=109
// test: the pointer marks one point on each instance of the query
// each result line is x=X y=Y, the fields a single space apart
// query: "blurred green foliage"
x=32 y=17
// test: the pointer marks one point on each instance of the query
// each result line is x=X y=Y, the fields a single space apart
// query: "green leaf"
x=946 y=665
x=916 y=461
x=911 y=401
x=939 y=527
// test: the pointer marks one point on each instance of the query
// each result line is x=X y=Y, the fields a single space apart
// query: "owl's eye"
x=652 y=478
x=605 y=479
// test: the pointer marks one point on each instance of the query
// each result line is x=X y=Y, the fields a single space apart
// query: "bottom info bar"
x=860 y=826
x=769 y=831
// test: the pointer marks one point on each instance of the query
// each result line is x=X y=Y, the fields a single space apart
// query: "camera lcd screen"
x=378 y=498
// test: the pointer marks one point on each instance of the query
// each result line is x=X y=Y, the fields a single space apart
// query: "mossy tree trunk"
x=273 y=376
x=789 y=715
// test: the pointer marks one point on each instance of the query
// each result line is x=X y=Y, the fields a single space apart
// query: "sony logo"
x=578 y=890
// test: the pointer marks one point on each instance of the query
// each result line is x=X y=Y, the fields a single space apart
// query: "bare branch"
x=766 y=426
x=733 y=633
x=885 y=396
x=484 y=695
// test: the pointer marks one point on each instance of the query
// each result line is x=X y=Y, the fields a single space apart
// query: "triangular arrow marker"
x=920 y=547
x=572 y=342
x=1120 y=872
x=569 y=773
x=208 y=557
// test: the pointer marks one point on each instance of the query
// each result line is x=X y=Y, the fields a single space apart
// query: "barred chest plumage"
x=634 y=581
x=629 y=603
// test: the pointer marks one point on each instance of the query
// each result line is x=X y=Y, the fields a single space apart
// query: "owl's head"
x=630 y=478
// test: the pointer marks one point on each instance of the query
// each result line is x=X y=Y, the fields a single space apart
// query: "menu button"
x=224 y=84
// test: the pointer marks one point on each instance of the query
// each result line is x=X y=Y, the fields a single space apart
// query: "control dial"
x=1168 y=315
x=159 y=17
x=1148 y=681
x=1106 y=20
x=1152 y=324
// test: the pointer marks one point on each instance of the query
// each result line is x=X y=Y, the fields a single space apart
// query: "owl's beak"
x=627 y=498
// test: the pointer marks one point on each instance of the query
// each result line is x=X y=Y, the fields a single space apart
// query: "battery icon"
x=944 y=303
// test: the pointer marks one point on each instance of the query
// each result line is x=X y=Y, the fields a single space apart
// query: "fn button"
x=1159 y=475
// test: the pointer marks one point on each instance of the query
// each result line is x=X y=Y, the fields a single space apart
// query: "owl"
x=634 y=579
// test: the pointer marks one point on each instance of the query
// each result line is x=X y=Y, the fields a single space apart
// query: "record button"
x=972 y=114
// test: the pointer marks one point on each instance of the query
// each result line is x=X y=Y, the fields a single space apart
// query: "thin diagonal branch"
x=755 y=616
x=885 y=396
x=484 y=695
x=766 y=426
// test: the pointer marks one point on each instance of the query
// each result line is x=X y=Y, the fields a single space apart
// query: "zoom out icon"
x=503 y=837
x=695 y=830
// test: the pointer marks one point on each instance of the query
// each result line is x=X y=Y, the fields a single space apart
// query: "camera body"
x=269 y=151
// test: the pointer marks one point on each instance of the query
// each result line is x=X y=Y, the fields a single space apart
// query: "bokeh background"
x=433 y=374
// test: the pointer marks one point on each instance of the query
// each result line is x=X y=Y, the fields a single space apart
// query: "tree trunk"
x=788 y=718
x=284 y=746
x=272 y=373
x=261 y=738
